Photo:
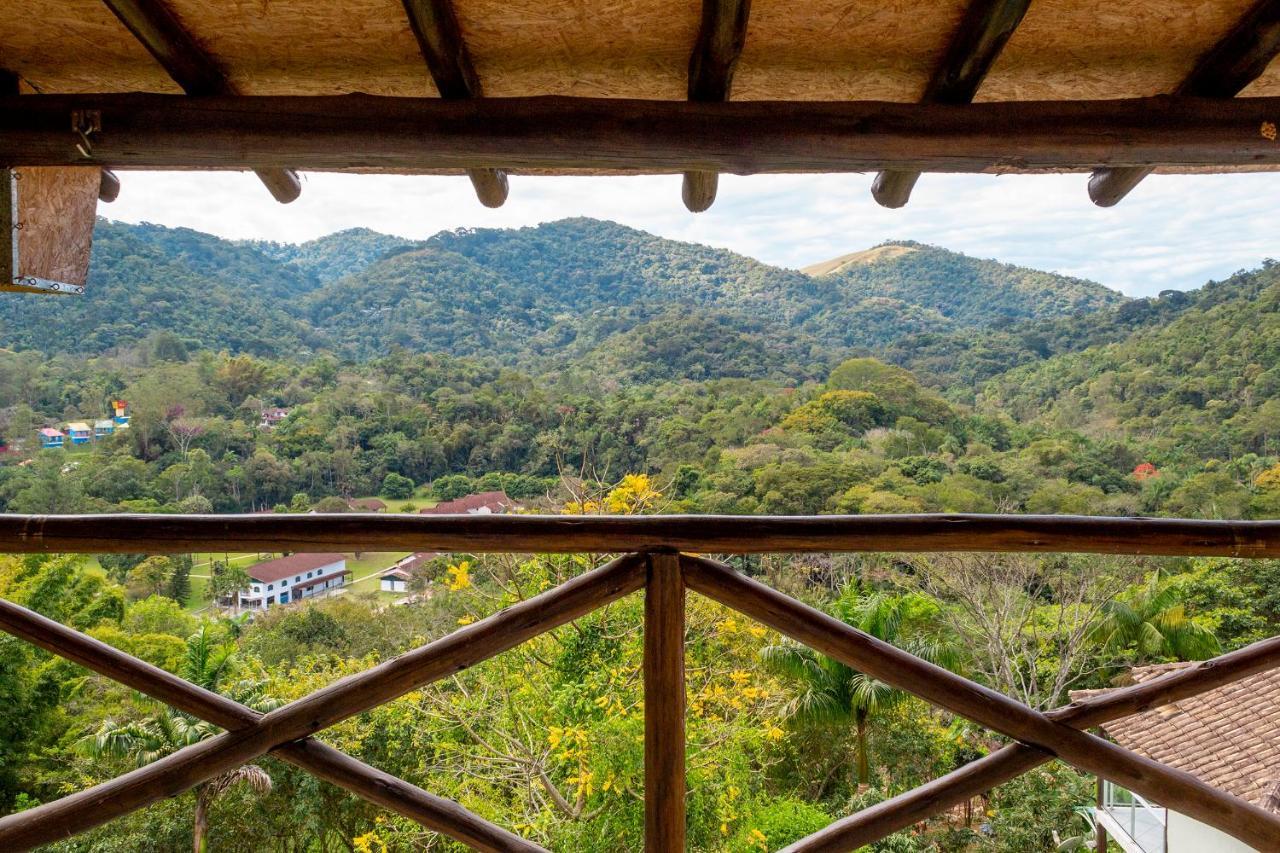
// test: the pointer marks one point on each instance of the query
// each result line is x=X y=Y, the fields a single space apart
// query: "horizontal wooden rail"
x=1009 y=762
x=155 y=534
x=355 y=132
x=1175 y=789
x=322 y=761
x=183 y=770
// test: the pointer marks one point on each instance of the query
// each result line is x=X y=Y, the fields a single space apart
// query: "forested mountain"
x=334 y=255
x=1206 y=383
x=544 y=297
x=583 y=367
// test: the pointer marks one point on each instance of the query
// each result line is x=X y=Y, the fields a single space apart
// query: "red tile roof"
x=270 y=571
x=407 y=565
x=369 y=504
x=1229 y=737
x=492 y=501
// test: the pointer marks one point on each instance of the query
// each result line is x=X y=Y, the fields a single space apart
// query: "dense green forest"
x=582 y=366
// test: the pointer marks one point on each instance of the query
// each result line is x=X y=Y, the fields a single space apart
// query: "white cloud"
x=1172 y=232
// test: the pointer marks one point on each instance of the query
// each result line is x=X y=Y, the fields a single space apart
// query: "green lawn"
x=418 y=501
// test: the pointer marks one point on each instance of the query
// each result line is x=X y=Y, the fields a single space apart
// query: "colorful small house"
x=272 y=416
x=121 y=410
x=51 y=438
x=103 y=428
x=79 y=432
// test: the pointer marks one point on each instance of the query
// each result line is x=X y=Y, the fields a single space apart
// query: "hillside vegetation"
x=582 y=367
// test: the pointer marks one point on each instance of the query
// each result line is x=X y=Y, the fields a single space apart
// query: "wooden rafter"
x=1239 y=58
x=164 y=37
x=721 y=37
x=983 y=31
x=435 y=25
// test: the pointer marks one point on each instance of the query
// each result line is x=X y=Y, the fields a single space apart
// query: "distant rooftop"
x=1228 y=737
x=270 y=571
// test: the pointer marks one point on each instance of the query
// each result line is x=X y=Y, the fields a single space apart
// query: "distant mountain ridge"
x=557 y=293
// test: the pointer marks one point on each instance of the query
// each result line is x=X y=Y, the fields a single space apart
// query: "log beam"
x=664 y=706
x=324 y=762
x=183 y=534
x=1239 y=58
x=721 y=37
x=179 y=772
x=164 y=37
x=362 y=132
x=1175 y=789
x=1009 y=762
x=983 y=31
x=435 y=25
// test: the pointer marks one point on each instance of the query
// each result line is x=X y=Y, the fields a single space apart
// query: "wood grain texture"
x=722 y=35
x=157 y=29
x=435 y=26
x=1009 y=762
x=183 y=770
x=982 y=34
x=325 y=762
x=1239 y=58
x=355 y=132
x=56 y=210
x=1172 y=788
x=664 y=706
x=177 y=534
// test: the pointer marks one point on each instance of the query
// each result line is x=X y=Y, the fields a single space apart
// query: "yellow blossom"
x=459 y=576
x=775 y=733
x=758 y=839
x=466 y=620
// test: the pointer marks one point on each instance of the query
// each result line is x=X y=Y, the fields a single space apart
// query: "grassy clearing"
x=412 y=504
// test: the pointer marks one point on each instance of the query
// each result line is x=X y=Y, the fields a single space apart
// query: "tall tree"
x=833 y=695
x=209 y=664
x=1151 y=623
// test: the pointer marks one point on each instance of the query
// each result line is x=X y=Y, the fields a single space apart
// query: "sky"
x=1171 y=232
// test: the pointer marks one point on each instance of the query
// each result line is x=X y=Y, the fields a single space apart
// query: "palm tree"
x=835 y=695
x=1153 y=622
x=208 y=663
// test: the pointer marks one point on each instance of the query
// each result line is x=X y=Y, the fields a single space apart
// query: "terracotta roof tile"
x=1229 y=737
x=270 y=571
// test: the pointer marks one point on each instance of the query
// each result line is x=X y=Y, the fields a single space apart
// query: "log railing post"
x=664 y=704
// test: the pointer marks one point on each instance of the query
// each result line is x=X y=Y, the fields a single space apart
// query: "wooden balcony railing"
x=651 y=560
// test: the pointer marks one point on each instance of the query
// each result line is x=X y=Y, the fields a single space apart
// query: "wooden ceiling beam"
x=983 y=32
x=156 y=28
x=435 y=25
x=1239 y=58
x=721 y=37
x=109 y=184
x=368 y=133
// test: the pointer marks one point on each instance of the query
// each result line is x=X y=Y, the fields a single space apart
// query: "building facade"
x=292 y=578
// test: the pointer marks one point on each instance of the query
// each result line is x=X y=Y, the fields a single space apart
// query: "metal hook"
x=84 y=123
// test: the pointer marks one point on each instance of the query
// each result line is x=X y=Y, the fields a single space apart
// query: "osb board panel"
x=75 y=46
x=310 y=47
x=586 y=48
x=56 y=207
x=843 y=50
x=1082 y=49
x=816 y=49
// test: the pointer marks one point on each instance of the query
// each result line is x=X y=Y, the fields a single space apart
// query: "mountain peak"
x=883 y=252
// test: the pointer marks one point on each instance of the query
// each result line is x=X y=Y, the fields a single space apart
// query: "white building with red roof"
x=293 y=578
